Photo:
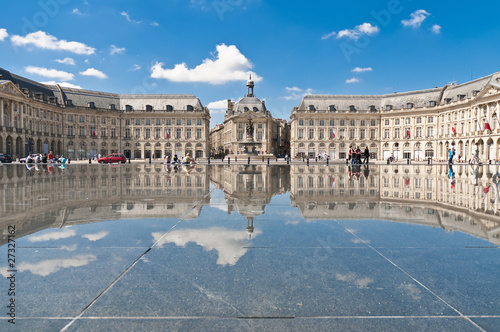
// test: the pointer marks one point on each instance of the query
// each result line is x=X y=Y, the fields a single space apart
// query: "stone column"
x=1 y=112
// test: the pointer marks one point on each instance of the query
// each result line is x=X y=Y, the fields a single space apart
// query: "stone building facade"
x=81 y=124
x=413 y=125
x=238 y=115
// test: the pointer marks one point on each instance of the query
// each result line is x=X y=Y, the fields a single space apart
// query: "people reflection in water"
x=451 y=175
x=354 y=171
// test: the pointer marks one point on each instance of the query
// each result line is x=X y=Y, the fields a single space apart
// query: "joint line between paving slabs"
x=131 y=266
x=409 y=275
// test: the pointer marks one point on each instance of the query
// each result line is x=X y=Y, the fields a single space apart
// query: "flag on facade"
x=454 y=130
x=486 y=124
x=333 y=181
x=486 y=190
x=407 y=133
x=93 y=131
x=168 y=133
x=333 y=132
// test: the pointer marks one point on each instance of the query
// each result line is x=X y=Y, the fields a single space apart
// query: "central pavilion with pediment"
x=249 y=129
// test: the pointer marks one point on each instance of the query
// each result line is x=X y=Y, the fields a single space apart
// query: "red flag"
x=333 y=132
x=407 y=182
x=486 y=124
x=407 y=133
x=486 y=190
x=333 y=181
x=168 y=133
x=454 y=130
x=452 y=184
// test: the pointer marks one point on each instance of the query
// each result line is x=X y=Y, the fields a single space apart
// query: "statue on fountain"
x=250 y=130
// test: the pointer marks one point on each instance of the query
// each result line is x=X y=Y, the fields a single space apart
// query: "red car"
x=112 y=158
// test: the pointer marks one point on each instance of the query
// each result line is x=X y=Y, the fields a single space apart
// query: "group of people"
x=186 y=160
x=355 y=155
x=43 y=159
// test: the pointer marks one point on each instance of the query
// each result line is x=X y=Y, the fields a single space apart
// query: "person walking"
x=367 y=155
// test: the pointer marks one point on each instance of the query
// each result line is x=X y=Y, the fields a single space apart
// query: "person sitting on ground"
x=51 y=156
x=188 y=160
x=62 y=160
x=38 y=159
x=176 y=160
x=168 y=159
x=44 y=158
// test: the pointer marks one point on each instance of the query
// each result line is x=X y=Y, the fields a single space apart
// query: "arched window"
x=190 y=108
x=169 y=108
x=246 y=109
x=331 y=108
x=255 y=109
x=128 y=108
x=149 y=108
x=311 y=107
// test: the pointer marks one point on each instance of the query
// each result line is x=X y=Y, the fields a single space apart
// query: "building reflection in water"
x=50 y=197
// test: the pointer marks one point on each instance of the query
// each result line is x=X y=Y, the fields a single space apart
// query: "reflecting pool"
x=250 y=247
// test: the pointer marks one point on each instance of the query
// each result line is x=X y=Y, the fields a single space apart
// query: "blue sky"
x=208 y=47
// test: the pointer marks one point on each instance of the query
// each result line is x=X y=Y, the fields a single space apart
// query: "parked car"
x=31 y=156
x=5 y=158
x=112 y=158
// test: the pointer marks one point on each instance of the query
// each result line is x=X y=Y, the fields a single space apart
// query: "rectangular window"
x=138 y=133
x=70 y=118
x=342 y=133
x=342 y=122
x=362 y=134
x=127 y=132
x=386 y=133
x=148 y=122
x=396 y=122
x=157 y=132
x=82 y=130
x=188 y=122
x=352 y=133
x=81 y=119
x=103 y=132
x=430 y=131
x=311 y=133
x=198 y=122
x=353 y=122
x=113 y=132
x=179 y=122
x=362 y=123
x=178 y=133
x=168 y=122
x=386 y=122
x=332 y=123
x=103 y=121
x=259 y=136
x=188 y=133
x=301 y=133
x=372 y=133
x=127 y=122
x=430 y=119
x=240 y=135
x=301 y=122
x=70 y=131
x=418 y=133
x=321 y=133
x=321 y=122
x=198 y=133
x=396 y=132
x=311 y=122
x=137 y=122
x=158 y=122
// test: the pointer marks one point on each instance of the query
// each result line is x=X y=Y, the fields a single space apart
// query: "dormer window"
x=388 y=107
x=311 y=107
x=52 y=100
x=149 y=108
x=331 y=108
x=246 y=109
x=255 y=109
x=190 y=108
x=169 y=108
x=372 y=108
x=432 y=103
x=475 y=92
x=352 y=108
x=461 y=97
x=447 y=100
x=409 y=105
x=39 y=95
x=91 y=104
x=69 y=102
x=129 y=108
x=112 y=106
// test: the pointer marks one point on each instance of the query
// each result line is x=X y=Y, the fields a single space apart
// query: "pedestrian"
x=367 y=155
x=451 y=154
x=358 y=155
x=51 y=156
x=44 y=158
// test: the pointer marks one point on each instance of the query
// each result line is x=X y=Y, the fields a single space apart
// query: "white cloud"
x=117 y=50
x=229 y=65
x=328 y=35
x=51 y=73
x=230 y=245
x=361 y=70
x=57 y=235
x=155 y=24
x=356 y=33
x=296 y=93
x=3 y=34
x=49 y=266
x=127 y=16
x=87 y=61
x=219 y=106
x=94 y=72
x=66 y=61
x=76 y=11
x=352 y=80
x=135 y=68
x=436 y=29
x=43 y=40
x=96 y=236
x=417 y=17
x=63 y=84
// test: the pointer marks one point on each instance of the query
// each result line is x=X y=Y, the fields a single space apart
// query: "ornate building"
x=249 y=128
x=413 y=125
x=81 y=123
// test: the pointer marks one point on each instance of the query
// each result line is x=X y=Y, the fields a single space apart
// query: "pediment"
x=250 y=115
x=489 y=90
x=11 y=88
